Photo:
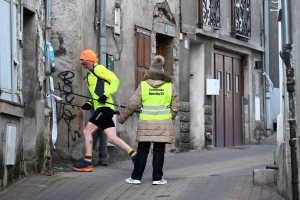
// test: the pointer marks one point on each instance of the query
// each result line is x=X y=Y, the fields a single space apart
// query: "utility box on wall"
x=10 y=147
x=212 y=86
x=110 y=62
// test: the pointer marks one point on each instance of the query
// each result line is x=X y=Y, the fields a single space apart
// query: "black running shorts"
x=102 y=117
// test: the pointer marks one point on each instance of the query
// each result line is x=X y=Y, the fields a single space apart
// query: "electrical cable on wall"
x=271 y=86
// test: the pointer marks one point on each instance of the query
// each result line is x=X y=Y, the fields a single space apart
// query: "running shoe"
x=83 y=167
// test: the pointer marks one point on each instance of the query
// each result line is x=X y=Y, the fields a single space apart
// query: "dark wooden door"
x=160 y=46
x=228 y=104
x=219 y=102
x=238 y=97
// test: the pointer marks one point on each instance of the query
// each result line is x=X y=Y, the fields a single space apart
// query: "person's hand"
x=86 y=106
x=102 y=99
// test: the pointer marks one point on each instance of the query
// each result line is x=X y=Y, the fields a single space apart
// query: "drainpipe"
x=47 y=72
x=266 y=60
x=102 y=60
x=180 y=17
x=287 y=56
x=21 y=23
x=280 y=136
x=47 y=61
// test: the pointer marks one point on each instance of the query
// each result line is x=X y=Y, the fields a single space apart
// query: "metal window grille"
x=210 y=13
x=242 y=18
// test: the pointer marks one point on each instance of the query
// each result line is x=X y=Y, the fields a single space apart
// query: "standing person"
x=160 y=104
x=102 y=84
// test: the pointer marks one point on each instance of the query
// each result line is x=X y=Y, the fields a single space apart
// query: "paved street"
x=205 y=174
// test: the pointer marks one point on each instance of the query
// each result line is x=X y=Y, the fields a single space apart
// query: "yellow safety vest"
x=156 y=102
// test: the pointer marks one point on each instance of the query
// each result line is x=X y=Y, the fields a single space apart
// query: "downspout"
x=280 y=136
x=266 y=60
x=47 y=153
x=47 y=61
x=180 y=18
x=21 y=23
x=287 y=56
x=102 y=60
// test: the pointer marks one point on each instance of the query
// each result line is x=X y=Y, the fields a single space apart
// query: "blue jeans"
x=141 y=160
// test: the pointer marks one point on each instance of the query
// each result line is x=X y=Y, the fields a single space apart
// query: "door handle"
x=226 y=95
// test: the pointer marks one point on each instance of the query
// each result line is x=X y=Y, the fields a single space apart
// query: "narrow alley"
x=225 y=173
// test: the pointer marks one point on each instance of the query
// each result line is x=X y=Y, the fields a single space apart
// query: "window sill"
x=228 y=39
x=11 y=108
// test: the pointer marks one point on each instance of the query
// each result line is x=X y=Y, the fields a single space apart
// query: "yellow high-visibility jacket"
x=154 y=130
x=101 y=81
x=156 y=101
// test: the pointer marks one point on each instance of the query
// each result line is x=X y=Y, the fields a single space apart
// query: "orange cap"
x=89 y=55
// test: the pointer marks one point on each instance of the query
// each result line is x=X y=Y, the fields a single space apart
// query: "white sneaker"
x=132 y=181
x=161 y=182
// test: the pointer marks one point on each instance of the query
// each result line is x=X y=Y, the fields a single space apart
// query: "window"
x=241 y=19
x=228 y=82
x=8 y=41
x=143 y=53
x=209 y=13
x=237 y=83
x=220 y=79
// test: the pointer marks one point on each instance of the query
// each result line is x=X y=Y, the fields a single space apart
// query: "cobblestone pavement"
x=205 y=174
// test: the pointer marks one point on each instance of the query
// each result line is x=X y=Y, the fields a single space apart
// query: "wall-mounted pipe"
x=266 y=59
x=47 y=61
x=286 y=22
x=20 y=36
x=102 y=60
x=286 y=55
x=48 y=13
x=180 y=17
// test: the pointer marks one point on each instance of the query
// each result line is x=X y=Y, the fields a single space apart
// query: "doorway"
x=228 y=104
x=164 y=47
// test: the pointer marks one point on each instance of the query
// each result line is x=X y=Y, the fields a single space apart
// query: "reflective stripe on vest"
x=156 y=102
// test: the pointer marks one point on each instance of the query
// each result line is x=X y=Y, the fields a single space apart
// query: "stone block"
x=208 y=128
x=207 y=109
x=207 y=119
x=185 y=137
x=183 y=147
x=184 y=116
x=263 y=176
x=184 y=106
x=184 y=126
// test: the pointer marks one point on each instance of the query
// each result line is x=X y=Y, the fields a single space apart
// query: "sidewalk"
x=205 y=174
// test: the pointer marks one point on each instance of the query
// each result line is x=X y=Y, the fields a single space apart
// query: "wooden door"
x=238 y=97
x=228 y=104
x=160 y=46
x=219 y=102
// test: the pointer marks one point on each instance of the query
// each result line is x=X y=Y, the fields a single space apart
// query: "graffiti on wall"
x=66 y=110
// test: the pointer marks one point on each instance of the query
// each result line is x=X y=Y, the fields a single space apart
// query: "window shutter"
x=8 y=73
x=143 y=53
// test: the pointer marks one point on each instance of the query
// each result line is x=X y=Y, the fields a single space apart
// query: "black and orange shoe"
x=83 y=167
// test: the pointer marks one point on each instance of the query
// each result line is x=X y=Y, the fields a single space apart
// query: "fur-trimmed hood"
x=157 y=79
